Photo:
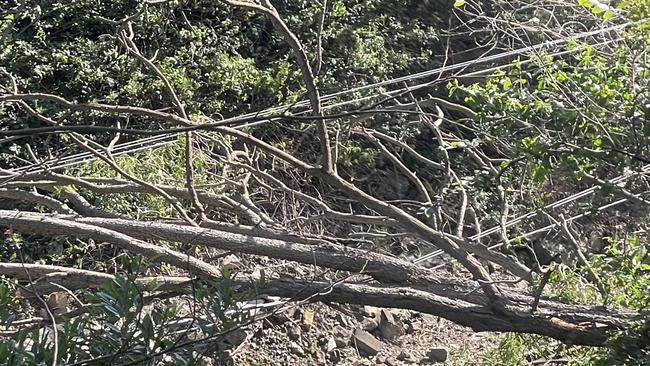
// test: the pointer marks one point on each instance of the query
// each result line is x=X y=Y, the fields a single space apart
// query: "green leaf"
x=459 y=3
x=585 y=3
x=596 y=10
x=608 y=14
x=506 y=83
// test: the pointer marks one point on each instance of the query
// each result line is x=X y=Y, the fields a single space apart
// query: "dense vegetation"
x=436 y=126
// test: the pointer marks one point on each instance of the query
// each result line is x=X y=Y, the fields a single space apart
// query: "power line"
x=162 y=140
x=553 y=225
x=532 y=214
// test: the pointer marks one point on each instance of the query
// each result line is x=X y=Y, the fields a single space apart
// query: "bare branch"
x=307 y=76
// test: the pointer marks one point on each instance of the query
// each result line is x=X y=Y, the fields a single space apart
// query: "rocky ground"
x=319 y=334
x=333 y=334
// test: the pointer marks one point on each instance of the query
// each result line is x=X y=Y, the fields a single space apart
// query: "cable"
x=532 y=214
x=157 y=141
x=551 y=226
x=162 y=140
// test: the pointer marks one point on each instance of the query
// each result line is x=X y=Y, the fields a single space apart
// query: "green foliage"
x=354 y=155
x=122 y=326
x=631 y=348
x=575 y=113
x=624 y=268
x=220 y=62
x=164 y=165
x=518 y=349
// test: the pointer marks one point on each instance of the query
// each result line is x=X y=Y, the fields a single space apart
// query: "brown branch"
x=33 y=197
x=73 y=279
x=83 y=207
x=127 y=40
x=281 y=27
x=328 y=211
x=325 y=254
x=570 y=324
x=455 y=247
x=118 y=109
x=52 y=226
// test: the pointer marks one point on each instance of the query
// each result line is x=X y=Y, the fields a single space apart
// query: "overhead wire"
x=553 y=225
x=617 y=180
x=162 y=140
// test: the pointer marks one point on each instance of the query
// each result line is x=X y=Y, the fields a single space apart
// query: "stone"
x=404 y=356
x=342 y=320
x=362 y=362
x=341 y=336
x=389 y=326
x=412 y=327
x=438 y=354
x=331 y=344
x=334 y=357
x=282 y=317
x=233 y=339
x=308 y=319
x=294 y=332
x=366 y=342
x=58 y=303
x=320 y=358
x=390 y=361
x=231 y=262
x=341 y=341
x=369 y=325
x=296 y=349
x=370 y=311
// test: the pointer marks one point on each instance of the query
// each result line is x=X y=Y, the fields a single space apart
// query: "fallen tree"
x=298 y=196
x=406 y=286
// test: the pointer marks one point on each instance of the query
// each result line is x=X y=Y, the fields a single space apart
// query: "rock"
x=231 y=262
x=389 y=326
x=237 y=337
x=233 y=339
x=369 y=325
x=320 y=358
x=58 y=303
x=405 y=356
x=253 y=307
x=282 y=317
x=342 y=320
x=296 y=349
x=341 y=336
x=438 y=354
x=294 y=332
x=341 y=341
x=362 y=362
x=370 y=311
x=308 y=319
x=331 y=344
x=412 y=327
x=390 y=361
x=366 y=342
x=334 y=357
